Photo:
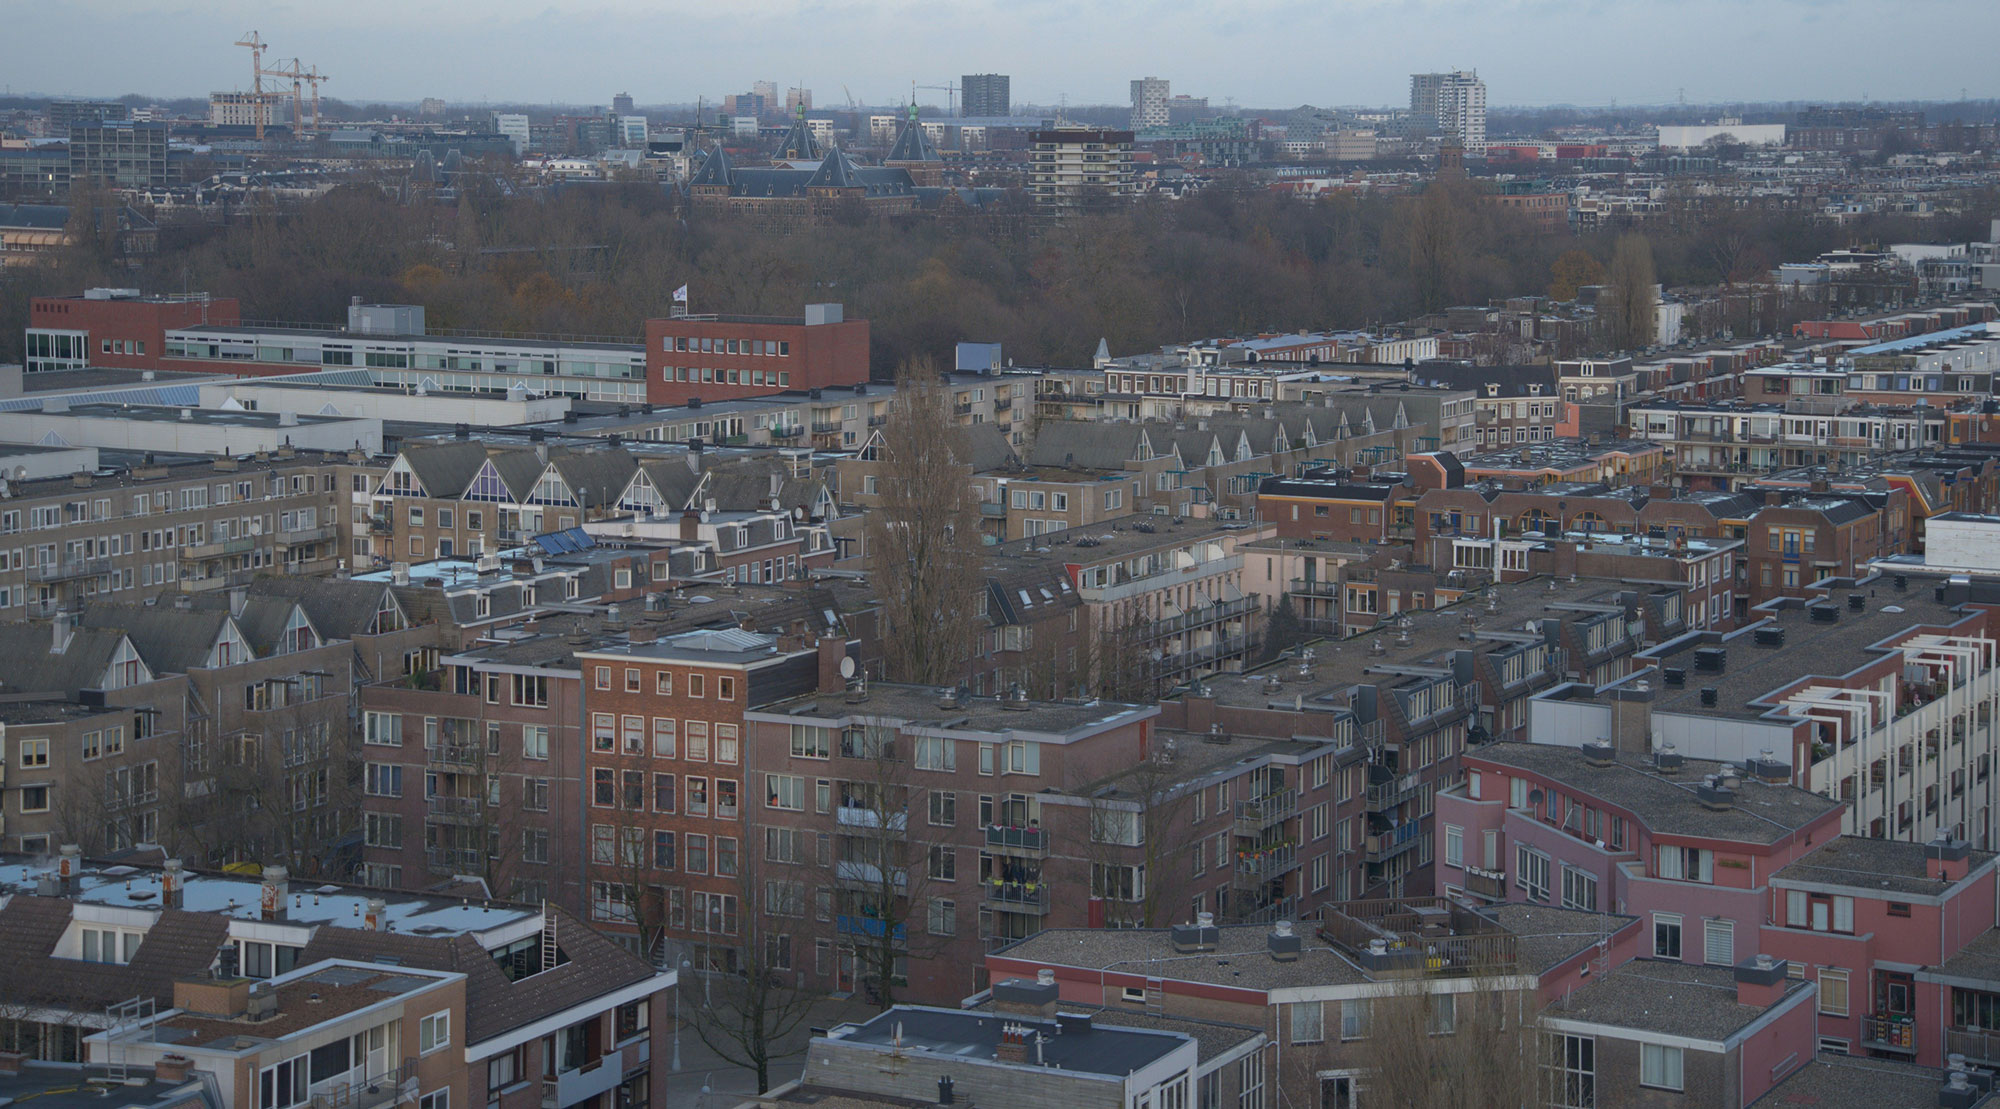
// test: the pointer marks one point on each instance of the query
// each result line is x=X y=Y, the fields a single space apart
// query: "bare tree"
x=1467 y=1050
x=1138 y=820
x=747 y=1016
x=923 y=536
x=1633 y=302
x=886 y=859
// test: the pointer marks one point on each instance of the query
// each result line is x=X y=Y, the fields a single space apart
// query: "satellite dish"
x=847 y=666
x=1534 y=797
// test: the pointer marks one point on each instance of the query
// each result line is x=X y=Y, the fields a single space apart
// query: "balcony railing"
x=467 y=755
x=1392 y=791
x=1383 y=846
x=1254 y=866
x=454 y=860
x=1315 y=587
x=240 y=545
x=1486 y=883
x=65 y=571
x=1262 y=812
x=1978 y=1045
x=1020 y=897
x=376 y=1090
x=1034 y=841
x=1429 y=934
x=1893 y=1033
x=1199 y=617
x=456 y=810
x=298 y=537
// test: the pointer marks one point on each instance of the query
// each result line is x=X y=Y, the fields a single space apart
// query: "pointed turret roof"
x=714 y=169
x=913 y=145
x=799 y=144
x=837 y=171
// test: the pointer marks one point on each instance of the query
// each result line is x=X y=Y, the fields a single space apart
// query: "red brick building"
x=116 y=328
x=726 y=357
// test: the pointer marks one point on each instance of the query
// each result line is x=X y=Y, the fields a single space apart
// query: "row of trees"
x=1232 y=259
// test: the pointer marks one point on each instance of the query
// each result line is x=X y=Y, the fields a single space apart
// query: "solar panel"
x=581 y=538
x=550 y=543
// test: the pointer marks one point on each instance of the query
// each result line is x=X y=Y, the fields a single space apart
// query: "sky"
x=1264 y=53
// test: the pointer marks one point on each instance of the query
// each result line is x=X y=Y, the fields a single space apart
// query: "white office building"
x=1454 y=104
x=1149 y=103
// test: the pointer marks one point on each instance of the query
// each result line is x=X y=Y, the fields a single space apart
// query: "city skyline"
x=1085 y=54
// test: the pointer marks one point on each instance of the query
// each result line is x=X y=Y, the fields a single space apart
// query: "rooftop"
x=1837 y=1080
x=1875 y=865
x=1810 y=647
x=63 y=1086
x=922 y=706
x=1241 y=958
x=1092 y=1049
x=1763 y=813
x=324 y=992
x=1977 y=961
x=1670 y=998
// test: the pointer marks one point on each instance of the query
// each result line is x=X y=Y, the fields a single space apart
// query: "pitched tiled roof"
x=179 y=945
x=171 y=640
x=494 y=1005
x=28 y=666
x=1086 y=446
x=339 y=609
x=445 y=469
x=913 y=144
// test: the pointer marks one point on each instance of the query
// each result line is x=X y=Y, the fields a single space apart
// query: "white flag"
x=681 y=295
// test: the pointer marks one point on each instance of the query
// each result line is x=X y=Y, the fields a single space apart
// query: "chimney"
x=377 y=910
x=171 y=883
x=1282 y=943
x=1760 y=981
x=239 y=596
x=1022 y=998
x=832 y=652
x=1947 y=859
x=944 y=1090
x=1013 y=1046
x=172 y=1070
x=271 y=898
x=61 y=633
x=690 y=525
x=69 y=866
x=399 y=573
x=1202 y=935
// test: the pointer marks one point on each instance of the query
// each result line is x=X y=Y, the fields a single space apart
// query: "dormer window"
x=110 y=945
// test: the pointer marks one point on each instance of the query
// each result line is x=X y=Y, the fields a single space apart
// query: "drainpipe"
x=582 y=802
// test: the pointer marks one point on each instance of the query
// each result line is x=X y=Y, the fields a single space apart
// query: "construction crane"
x=950 y=94
x=300 y=75
x=845 y=91
x=256 y=44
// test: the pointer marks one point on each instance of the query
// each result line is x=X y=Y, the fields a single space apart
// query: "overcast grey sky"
x=1258 y=52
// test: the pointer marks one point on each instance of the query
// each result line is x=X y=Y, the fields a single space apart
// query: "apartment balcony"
x=868 y=819
x=1032 y=842
x=1386 y=790
x=1259 y=813
x=69 y=571
x=1255 y=867
x=381 y=525
x=962 y=408
x=993 y=509
x=299 y=537
x=200 y=551
x=455 y=860
x=1380 y=847
x=788 y=431
x=456 y=810
x=1200 y=617
x=1490 y=884
x=1427 y=935
x=1978 y=1045
x=859 y=874
x=825 y=427
x=1018 y=897
x=1004 y=404
x=1314 y=587
x=1889 y=1034
x=394 y=1085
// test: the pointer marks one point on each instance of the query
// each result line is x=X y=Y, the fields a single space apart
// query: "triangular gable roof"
x=799 y=143
x=598 y=476
x=913 y=144
x=444 y=469
x=170 y=640
x=715 y=170
x=838 y=171
x=338 y=609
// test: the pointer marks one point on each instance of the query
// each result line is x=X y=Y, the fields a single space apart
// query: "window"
x=1833 y=992
x=1531 y=873
x=1454 y=846
x=1442 y=1018
x=785 y=791
x=1579 y=889
x=663 y=683
x=944 y=809
x=936 y=753
x=1684 y=864
x=1666 y=935
x=664 y=742
x=943 y=917
x=534 y=741
x=1718 y=938
x=285 y=1084
x=1308 y=1022
x=434 y=1032
x=1354 y=1019
x=1660 y=1067
x=436 y=1099
x=1250 y=1080
x=384 y=729
x=1575 y=1066
x=1819 y=912
x=809 y=742
x=944 y=863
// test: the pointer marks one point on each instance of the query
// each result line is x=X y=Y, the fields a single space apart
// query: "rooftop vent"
x=1283 y=944
x=1714 y=795
x=1599 y=753
x=1668 y=757
x=1769 y=637
x=1202 y=935
x=1674 y=676
x=1767 y=768
x=1857 y=602
x=1708 y=696
x=1710 y=660
x=1902 y=582
x=1825 y=614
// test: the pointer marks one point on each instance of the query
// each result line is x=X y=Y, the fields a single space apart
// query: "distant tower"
x=1452 y=105
x=1149 y=103
x=985 y=94
x=621 y=104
